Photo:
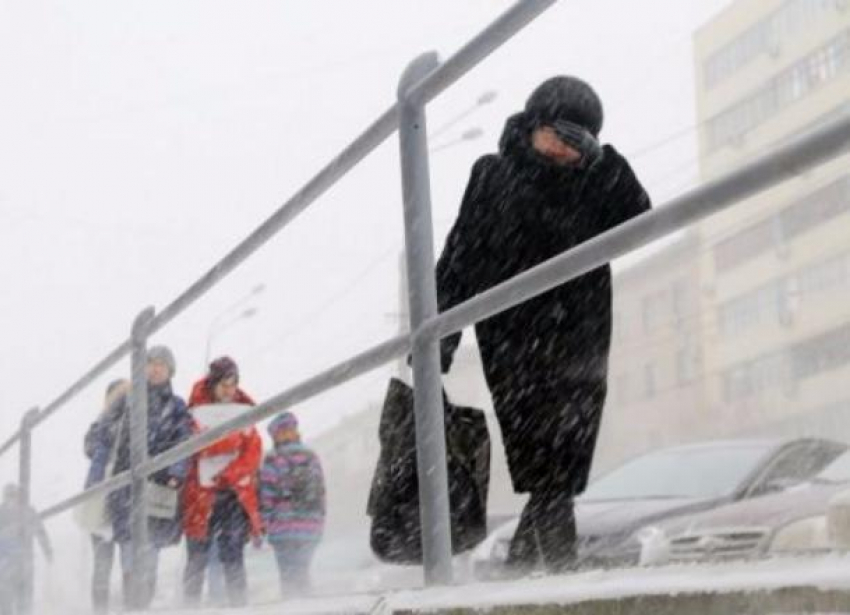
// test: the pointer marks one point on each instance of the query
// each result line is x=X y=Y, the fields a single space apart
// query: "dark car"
x=670 y=483
x=813 y=516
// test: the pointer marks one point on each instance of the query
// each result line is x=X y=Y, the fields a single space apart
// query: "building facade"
x=776 y=268
x=655 y=389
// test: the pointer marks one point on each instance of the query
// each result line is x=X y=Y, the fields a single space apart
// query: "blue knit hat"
x=283 y=421
x=164 y=354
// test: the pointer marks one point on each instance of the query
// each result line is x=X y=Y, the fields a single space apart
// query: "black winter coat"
x=546 y=359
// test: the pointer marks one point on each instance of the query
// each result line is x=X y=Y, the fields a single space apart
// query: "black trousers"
x=546 y=533
x=549 y=411
x=229 y=528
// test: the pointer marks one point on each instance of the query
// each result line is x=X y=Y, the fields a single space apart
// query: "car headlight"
x=803 y=535
x=654 y=546
x=838 y=520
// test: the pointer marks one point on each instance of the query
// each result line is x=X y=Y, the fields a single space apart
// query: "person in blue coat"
x=169 y=424
x=98 y=446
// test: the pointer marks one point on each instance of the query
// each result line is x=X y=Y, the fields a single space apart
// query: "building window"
x=758 y=376
x=823 y=353
x=744 y=246
x=819 y=207
x=751 y=309
x=803 y=215
x=680 y=301
x=794 y=83
x=622 y=383
x=830 y=275
x=764 y=37
x=687 y=363
x=784 y=369
x=655 y=308
x=649 y=380
x=778 y=300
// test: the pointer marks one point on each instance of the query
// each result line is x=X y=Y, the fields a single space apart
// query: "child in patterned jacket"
x=292 y=503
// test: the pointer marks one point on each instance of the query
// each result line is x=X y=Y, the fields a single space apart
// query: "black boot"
x=523 y=553
x=555 y=529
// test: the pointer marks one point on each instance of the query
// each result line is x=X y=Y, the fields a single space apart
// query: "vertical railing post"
x=27 y=562
x=139 y=581
x=428 y=390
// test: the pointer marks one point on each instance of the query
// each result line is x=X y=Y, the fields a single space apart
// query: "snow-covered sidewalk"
x=820 y=573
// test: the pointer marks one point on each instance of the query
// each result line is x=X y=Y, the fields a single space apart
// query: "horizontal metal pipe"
x=797 y=156
x=363 y=145
x=90 y=376
x=111 y=484
x=460 y=63
x=338 y=374
x=505 y=26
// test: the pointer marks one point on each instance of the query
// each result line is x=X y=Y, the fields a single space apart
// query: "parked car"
x=813 y=516
x=668 y=483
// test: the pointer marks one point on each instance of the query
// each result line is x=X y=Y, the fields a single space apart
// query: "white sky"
x=143 y=140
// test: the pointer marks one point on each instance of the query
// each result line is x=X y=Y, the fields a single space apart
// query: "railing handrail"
x=490 y=38
x=807 y=151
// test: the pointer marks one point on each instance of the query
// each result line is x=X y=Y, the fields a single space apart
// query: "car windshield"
x=838 y=471
x=680 y=473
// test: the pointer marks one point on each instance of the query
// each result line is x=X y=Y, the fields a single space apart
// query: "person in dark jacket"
x=169 y=424
x=292 y=503
x=550 y=188
x=99 y=445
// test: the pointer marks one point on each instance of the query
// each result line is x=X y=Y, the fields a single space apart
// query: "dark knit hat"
x=283 y=421
x=222 y=369
x=566 y=98
x=164 y=354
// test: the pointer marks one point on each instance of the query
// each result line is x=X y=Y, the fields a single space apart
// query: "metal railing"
x=422 y=81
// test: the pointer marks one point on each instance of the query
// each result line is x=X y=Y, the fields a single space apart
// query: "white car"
x=672 y=482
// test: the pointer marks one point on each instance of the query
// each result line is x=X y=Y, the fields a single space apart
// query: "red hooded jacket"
x=240 y=475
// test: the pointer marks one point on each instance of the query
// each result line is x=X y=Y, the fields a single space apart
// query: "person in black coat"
x=550 y=188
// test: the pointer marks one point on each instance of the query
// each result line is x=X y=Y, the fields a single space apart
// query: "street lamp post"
x=468 y=135
x=216 y=328
x=484 y=99
x=214 y=325
x=256 y=290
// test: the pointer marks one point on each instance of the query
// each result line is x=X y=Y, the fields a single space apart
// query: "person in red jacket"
x=220 y=498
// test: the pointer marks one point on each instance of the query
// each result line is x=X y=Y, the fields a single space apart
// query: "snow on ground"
x=347 y=579
x=826 y=572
